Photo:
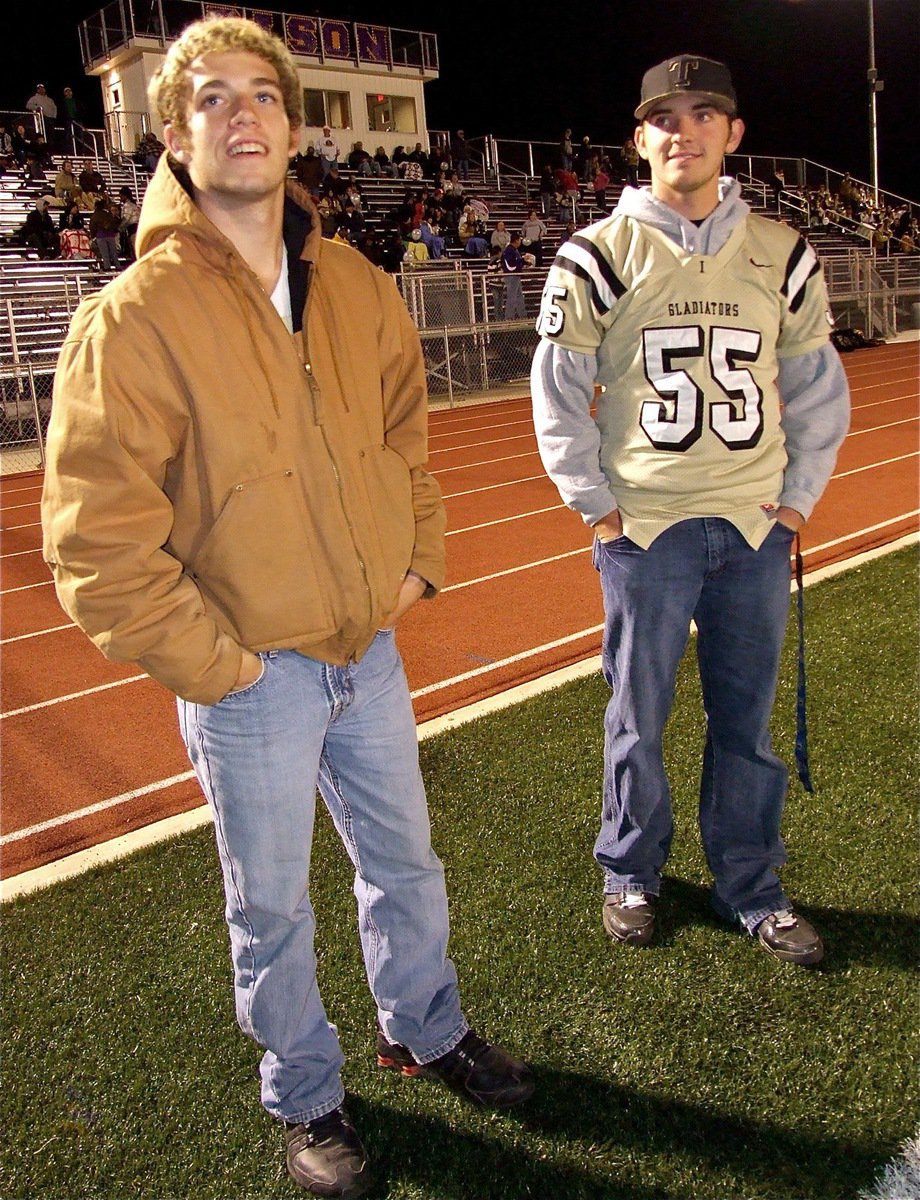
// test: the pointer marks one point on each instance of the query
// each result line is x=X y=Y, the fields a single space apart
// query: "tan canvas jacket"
x=213 y=483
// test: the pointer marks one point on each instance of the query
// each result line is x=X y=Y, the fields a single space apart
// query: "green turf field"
x=699 y=1068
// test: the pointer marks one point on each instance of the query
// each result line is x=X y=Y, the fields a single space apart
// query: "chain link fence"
x=25 y=408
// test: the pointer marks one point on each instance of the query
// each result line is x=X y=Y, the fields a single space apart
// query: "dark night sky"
x=799 y=67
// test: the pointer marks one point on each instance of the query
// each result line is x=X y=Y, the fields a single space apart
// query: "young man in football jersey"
x=722 y=407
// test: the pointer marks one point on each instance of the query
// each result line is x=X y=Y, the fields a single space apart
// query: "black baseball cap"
x=687 y=73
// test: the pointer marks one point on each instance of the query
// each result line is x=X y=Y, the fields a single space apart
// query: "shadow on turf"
x=626 y=1143
x=863 y=938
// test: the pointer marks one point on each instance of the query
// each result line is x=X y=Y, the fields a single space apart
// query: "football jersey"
x=687 y=349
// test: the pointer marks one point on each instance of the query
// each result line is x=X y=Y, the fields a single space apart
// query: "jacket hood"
x=641 y=205
x=169 y=208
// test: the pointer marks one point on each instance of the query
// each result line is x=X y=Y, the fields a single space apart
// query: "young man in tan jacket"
x=236 y=500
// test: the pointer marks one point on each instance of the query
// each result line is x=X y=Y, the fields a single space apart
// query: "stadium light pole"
x=876 y=85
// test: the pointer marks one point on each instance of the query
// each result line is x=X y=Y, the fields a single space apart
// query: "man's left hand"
x=412 y=589
x=790 y=518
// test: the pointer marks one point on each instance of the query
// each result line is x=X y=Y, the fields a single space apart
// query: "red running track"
x=90 y=749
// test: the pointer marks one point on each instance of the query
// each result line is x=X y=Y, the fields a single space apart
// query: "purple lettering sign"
x=222 y=10
x=336 y=39
x=301 y=35
x=265 y=20
x=372 y=44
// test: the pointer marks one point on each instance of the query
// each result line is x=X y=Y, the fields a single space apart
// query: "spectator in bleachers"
x=500 y=239
x=630 y=156
x=103 y=232
x=778 y=183
x=327 y=150
x=66 y=186
x=384 y=164
x=568 y=194
x=565 y=151
x=431 y=235
x=34 y=169
x=350 y=221
x=328 y=208
x=354 y=195
x=600 y=184
x=583 y=156
x=39 y=232
x=129 y=216
x=547 y=189
x=7 y=158
x=309 y=170
x=335 y=183
x=147 y=155
x=19 y=139
x=460 y=155
x=470 y=225
x=513 y=264
x=75 y=241
x=361 y=162
x=90 y=181
x=42 y=102
x=70 y=114
x=416 y=252
x=533 y=231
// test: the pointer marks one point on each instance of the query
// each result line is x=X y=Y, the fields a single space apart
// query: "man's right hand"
x=249 y=672
x=609 y=527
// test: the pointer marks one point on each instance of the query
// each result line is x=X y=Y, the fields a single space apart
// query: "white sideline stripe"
x=848 y=537
x=103 y=687
x=871 y=466
x=878 y=403
x=493 y=486
x=486 y=462
x=120 y=847
x=21 y=637
x=99 y=806
x=9 y=507
x=26 y=587
x=505 y=662
x=10 y=528
x=534 y=512
x=17 y=553
x=540 y=562
x=476 y=429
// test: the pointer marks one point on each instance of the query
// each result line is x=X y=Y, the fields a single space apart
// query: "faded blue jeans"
x=259 y=755
x=700 y=569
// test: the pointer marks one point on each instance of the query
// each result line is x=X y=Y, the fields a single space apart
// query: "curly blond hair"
x=170 y=89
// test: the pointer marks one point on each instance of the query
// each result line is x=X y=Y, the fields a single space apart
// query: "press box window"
x=327 y=108
x=391 y=114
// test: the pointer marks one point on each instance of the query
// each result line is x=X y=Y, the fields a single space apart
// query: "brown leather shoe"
x=791 y=938
x=630 y=917
x=326 y=1157
x=474 y=1069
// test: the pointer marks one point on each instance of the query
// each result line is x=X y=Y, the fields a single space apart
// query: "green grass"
x=700 y=1068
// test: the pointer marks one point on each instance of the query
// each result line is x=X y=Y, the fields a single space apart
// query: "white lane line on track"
x=872 y=466
x=19 y=553
x=486 y=462
x=91 y=809
x=9 y=507
x=514 y=437
x=26 y=587
x=493 y=486
x=10 y=528
x=103 y=687
x=149 y=835
x=21 y=637
x=878 y=428
x=534 y=512
x=540 y=562
x=878 y=403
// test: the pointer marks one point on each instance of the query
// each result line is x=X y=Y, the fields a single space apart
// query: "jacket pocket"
x=388 y=485
x=259 y=567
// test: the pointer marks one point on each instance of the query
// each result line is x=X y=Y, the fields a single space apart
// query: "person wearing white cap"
x=722 y=404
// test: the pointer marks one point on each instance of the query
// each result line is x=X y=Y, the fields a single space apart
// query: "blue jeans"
x=701 y=569
x=259 y=755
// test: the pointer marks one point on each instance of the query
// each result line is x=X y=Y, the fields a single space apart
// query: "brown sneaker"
x=474 y=1069
x=791 y=938
x=630 y=917
x=326 y=1157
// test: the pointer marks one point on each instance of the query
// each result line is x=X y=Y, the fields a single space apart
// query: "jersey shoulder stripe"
x=584 y=258
x=802 y=265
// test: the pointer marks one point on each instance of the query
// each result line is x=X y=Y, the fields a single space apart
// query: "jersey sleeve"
x=807 y=320
x=581 y=290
